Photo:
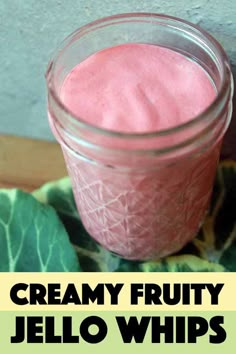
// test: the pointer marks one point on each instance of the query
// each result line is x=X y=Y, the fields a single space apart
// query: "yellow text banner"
x=131 y=291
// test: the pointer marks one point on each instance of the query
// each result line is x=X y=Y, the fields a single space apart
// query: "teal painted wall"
x=31 y=29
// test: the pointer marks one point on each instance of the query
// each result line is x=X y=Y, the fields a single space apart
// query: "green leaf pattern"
x=32 y=237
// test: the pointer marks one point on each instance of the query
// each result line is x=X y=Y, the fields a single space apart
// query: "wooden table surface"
x=28 y=163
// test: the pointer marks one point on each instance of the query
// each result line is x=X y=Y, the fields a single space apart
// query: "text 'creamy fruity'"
x=141 y=127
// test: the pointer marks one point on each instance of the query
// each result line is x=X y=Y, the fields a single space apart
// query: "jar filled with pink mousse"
x=140 y=104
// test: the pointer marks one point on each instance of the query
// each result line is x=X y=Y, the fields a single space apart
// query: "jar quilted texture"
x=143 y=216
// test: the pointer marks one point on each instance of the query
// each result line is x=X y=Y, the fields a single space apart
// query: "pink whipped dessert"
x=137 y=88
x=141 y=88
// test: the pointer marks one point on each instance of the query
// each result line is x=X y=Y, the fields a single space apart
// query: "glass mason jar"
x=138 y=202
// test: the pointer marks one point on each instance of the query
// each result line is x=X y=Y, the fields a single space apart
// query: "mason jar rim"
x=204 y=115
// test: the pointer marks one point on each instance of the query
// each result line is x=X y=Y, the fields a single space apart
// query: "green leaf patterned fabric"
x=32 y=237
